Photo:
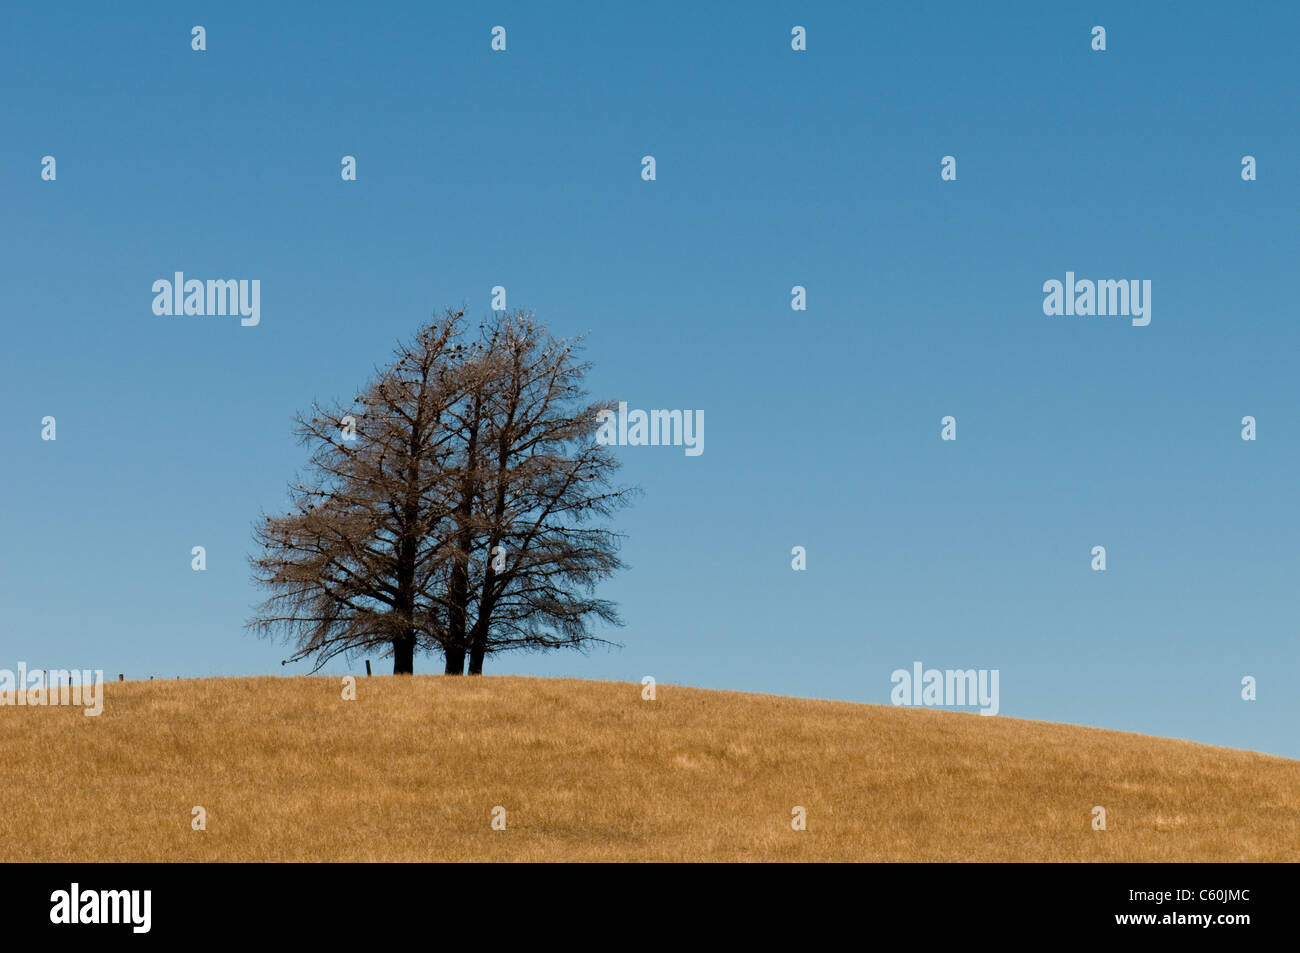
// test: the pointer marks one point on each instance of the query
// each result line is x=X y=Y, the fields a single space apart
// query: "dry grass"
x=411 y=770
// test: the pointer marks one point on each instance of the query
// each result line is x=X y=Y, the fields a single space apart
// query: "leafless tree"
x=456 y=506
x=544 y=489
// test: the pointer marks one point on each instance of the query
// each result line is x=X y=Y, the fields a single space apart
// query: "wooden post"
x=367 y=668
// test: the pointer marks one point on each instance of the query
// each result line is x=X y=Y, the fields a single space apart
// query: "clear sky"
x=774 y=168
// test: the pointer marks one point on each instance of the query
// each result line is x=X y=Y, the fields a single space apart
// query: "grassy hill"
x=412 y=769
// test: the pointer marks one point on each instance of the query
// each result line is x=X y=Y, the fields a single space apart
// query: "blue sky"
x=774 y=168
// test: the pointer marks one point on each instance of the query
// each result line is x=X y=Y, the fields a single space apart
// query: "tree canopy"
x=458 y=505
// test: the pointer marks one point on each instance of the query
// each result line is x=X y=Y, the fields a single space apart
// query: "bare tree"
x=453 y=507
x=546 y=486
x=364 y=540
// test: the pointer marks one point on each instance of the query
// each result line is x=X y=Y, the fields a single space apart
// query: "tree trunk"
x=458 y=584
x=478 y=634
x=404 y=655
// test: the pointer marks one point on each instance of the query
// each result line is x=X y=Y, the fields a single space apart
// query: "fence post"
x=367 y=668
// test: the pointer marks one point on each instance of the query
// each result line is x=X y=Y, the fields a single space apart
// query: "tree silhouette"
x=455 y=506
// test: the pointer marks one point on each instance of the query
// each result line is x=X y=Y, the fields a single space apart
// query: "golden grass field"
x=411 y=770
